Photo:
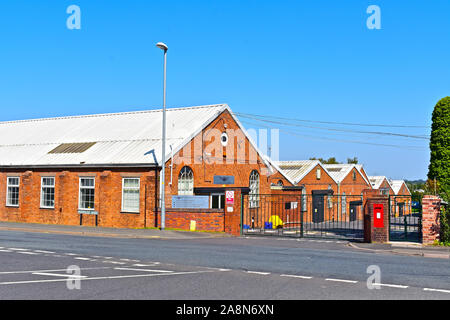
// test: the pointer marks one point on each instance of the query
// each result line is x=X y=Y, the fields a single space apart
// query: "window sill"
x=11 y=206
x=47 y=208
x=129 y=212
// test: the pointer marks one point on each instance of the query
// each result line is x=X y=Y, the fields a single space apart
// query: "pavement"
x=398 y=248
x=109 y=232
x=404 y=248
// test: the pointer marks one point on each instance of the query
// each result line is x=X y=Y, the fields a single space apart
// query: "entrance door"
x=318 y=208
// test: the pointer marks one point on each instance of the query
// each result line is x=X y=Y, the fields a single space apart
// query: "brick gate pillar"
x=431 y=227
x=232 y=216
x=376 y=229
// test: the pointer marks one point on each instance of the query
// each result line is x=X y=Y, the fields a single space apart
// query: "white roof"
x=298 y=169
x=376 y=181
x=120 y=138
x=397 y=185
x=340 y=171
x=127 y=138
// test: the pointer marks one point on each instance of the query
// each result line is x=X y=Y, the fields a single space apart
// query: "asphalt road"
x=34 y=266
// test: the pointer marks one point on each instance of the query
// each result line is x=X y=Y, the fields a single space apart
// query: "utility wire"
x=333 y=129
x=334 y=122
x=290 y=132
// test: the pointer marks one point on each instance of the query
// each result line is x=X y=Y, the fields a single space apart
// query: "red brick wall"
x=430 y=219
x=108 y=189
x=108 y=198
x=206 y=219
x=354 y=187
x=312 y=183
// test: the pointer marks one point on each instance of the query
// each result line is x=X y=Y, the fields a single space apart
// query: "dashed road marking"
x=58 y=275
x=43 y=251
x=295 y=276
x=18 y=249
x=341 y=280
x=82 y=258
x=144 y=270
x=390 y=285
x=259 y=272
x=436 y=290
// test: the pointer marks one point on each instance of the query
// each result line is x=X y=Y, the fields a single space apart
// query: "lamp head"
x=162 y=46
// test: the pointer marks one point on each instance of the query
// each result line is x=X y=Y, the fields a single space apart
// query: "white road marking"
x=81 y=258
x=436 y=290
x=58 y=275
x=114 y=262
x=258 y=272
x=106 y=278
x=43 y=251
x=341 y=280
x=1 y=250
x=18 y=249
x=295 y=276
x=55 y=270
x=144 y=270
x=71 y=254
x=145 y=265
x=390 y=285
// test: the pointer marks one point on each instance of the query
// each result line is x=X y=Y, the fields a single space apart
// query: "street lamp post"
x=163 y=47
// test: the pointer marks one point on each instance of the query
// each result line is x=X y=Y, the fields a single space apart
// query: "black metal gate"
x=321 y=215
x=405 y=219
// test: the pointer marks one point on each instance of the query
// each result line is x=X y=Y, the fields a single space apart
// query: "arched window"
x=280 y=183
x=186 y=181
x=254 y=189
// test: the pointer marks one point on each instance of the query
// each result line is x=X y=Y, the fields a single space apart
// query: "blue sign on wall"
x=223 y=179
x=190 y=202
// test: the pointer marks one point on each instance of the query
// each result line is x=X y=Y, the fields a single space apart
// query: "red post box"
x=378 y=215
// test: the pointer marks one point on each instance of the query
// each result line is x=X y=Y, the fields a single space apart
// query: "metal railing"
x=316 y=215
x=405 y=219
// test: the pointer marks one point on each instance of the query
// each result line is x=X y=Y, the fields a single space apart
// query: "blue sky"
x=313 y=60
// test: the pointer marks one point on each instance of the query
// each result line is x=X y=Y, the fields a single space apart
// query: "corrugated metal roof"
x=396 y=185
x=376 y=181
x=120 y=138
x=340 y=171
x=127 y=138
x=296 y=170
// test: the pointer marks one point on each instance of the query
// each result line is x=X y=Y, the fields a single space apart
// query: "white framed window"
x=87 y=193
x=254 y=189
x=217 y=201
x=130 y=194
x=186 y=182
x=12 y=191
x=318 y=174
x=344 y=203
x=304 y=200
x=330 y=198
x=47 y=192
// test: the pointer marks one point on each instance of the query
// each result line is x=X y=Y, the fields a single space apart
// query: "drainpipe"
x=339 y=200
x=171 y=165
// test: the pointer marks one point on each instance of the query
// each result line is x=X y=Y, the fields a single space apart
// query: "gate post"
x=431 y=209
x=376 y=217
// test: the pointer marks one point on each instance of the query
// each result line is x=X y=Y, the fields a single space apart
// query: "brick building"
x=104 y=169
x=382 y=184
x=351 y=182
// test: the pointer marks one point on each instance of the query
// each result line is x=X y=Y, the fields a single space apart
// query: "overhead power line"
x=335 y=122
x=289 y=123
x=290 y=132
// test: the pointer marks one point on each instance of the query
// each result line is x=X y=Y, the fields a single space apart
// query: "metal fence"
x=320 y=215
x=405 y=219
